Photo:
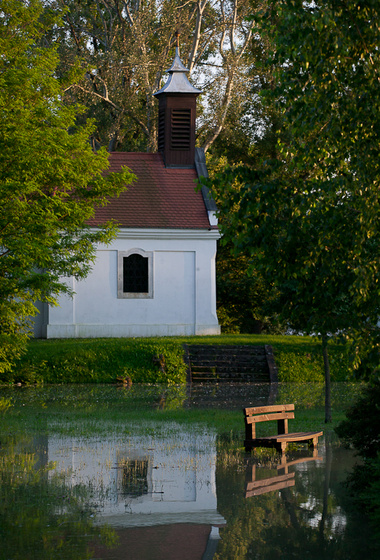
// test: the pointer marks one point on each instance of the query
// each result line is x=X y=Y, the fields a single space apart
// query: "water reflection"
x=41 y=516
x=175 y=494
x=291 y=507
x=164 y=491
x=142 y=480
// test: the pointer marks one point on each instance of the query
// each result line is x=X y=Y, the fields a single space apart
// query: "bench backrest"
x=280 y=412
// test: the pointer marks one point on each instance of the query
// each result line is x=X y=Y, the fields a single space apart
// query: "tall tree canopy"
x=310 y=217
x=126 y=46
x=50 y=179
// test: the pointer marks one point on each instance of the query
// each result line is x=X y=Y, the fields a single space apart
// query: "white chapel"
x=157 y=278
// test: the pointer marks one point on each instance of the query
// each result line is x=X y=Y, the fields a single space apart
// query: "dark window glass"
x=134 y=478
x=135 y=274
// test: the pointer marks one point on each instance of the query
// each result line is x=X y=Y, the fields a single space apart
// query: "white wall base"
x=128 y=331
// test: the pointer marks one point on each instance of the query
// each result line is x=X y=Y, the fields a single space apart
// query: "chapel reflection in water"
x=157 y=489
x=177 y=493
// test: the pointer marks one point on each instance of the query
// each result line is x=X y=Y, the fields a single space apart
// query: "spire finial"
x=178 y=82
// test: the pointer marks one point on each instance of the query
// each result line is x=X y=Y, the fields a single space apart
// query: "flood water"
x=94 y=473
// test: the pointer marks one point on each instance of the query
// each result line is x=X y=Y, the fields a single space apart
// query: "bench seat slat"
x=298 y=436
x=269 y=417
x=295 y=436
x=271 y=408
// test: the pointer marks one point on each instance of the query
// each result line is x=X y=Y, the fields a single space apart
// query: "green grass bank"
x=298 y=358
x=84 y=410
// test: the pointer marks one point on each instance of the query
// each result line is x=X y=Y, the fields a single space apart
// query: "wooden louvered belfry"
x=176 y=116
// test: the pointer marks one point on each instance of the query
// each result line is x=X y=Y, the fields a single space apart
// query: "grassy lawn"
x=298 y=359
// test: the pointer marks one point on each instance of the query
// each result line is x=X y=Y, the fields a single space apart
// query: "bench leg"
x=248 y=447
x=314 y=442
x=281 y=446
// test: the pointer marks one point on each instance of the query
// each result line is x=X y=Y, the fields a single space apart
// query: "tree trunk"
x=327 y=380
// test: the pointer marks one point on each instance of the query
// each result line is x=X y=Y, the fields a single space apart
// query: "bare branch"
x=102 y=97
x=232 y=29
x=197 y=33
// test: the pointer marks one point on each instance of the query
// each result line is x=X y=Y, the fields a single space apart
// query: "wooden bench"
x=282 y=413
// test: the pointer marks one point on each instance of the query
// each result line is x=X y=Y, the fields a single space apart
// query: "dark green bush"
x=361 y=429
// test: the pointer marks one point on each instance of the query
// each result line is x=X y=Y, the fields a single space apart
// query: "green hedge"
x=304 y=363
x=100 y=361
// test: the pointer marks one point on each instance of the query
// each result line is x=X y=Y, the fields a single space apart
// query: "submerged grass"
x=298 y=358
x=87 y=410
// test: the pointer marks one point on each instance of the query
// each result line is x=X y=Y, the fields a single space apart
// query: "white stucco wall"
x=184 y=293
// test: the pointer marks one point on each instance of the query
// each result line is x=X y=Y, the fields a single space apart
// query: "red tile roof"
x=160 y=198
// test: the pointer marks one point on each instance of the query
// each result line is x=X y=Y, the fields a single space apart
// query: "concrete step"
x=230 y=363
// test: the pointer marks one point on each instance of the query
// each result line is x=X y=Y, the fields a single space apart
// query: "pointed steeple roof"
x=177 y=81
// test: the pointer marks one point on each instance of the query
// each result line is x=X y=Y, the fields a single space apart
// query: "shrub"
x=5 y=404
x=99 y=361
x=362 y=425
x=304 y=363
x=362 y=430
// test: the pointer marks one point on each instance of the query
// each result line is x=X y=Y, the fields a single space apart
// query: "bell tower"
x=176 y=116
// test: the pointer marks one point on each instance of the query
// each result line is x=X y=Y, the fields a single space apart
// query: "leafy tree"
x=309 y=218
x=50 y=179
x=244 y=296
x=243 y=300
x=126 y=48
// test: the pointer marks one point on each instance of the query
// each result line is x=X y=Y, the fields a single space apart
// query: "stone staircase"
x=230 y=363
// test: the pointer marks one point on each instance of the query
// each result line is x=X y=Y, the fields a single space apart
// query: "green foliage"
x=325 y=190
x=243 y=295
x=365 y=352
x=370 y=496
x=304 y=364
x=361 y=429
x=5 y=404
x=240 y=298
x=298 y=367
x=308 y=215
x=50 y=179
x=362 y=426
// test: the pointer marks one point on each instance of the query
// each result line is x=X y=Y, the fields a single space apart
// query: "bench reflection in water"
x=283 y=479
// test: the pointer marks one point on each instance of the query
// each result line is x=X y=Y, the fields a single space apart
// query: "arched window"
x=135 y=274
